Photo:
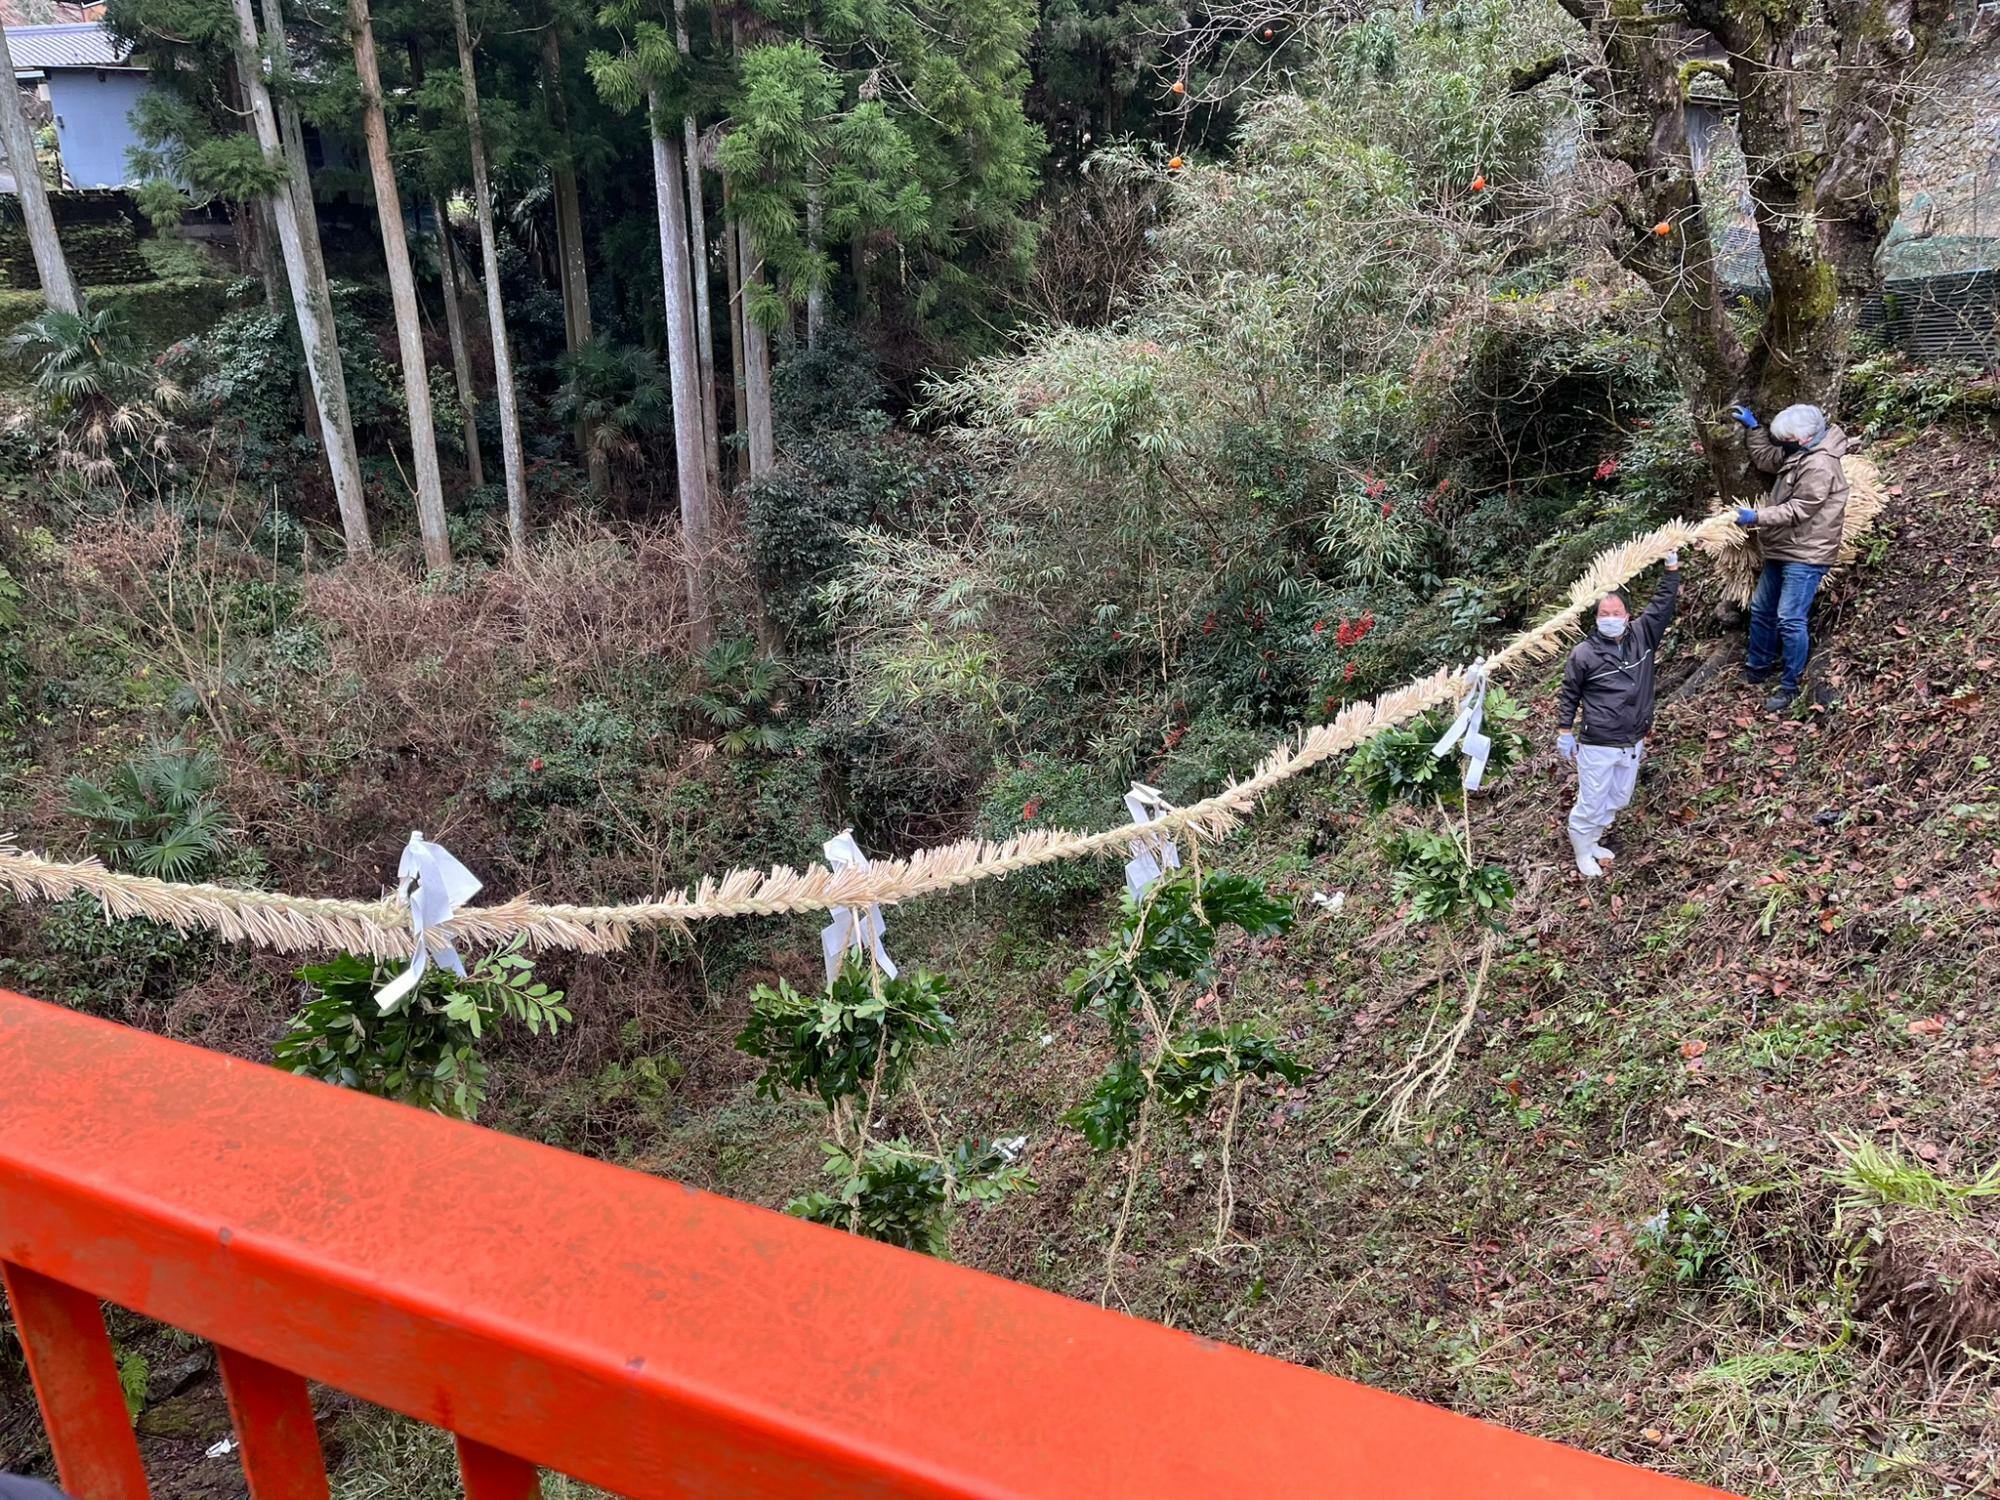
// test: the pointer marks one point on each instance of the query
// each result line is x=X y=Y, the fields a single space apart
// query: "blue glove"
x=1566 y=745
x=1744 y=415
x=1745 y=516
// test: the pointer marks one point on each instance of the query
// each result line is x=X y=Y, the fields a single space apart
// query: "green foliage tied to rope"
x=1397 y=765
x=1434 y=872
x=897 y=1194
x=857 y=1034
x=426 y=1051
x=1163 y=954
x=852 y=1047
x=1205 y=1060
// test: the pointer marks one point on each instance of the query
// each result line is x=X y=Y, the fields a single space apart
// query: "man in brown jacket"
x=1798 y=533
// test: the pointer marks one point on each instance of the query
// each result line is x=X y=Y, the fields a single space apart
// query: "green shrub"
x=562 y=757
x=109 y=968
x=741 y=694
x=1051 y=795
x=1213 y=750
x=1162 y=954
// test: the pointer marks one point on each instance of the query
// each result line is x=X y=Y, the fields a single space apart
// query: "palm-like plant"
x=620 y=395
x=112 y=406
x=77 y=357
x=740 y=696
x=156 y=814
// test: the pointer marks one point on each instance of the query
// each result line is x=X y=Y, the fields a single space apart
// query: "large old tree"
x=1819 y=95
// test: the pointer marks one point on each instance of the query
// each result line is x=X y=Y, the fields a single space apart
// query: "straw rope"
x=298 y=924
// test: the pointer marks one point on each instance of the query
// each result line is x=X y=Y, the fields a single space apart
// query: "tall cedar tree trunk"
x=704 y=314
x=816 y=290
x=312 y=305
x=402 y=293
x=756 y=363
x=1822 y=110
x=572 y=272
x=732 y=266
x=18 y=138
x=683 y=365
x=299 y=188
x=461 y=358
x=756 y=360
x=496 y=312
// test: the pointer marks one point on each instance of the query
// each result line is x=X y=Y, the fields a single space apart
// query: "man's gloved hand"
x=1744 y=415
x=1673 y=562
x=1566 y=745
x=1745 y=516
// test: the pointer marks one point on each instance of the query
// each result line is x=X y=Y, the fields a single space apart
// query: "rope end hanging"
x=434 y=885
x=1151 y=857
x=852 y=930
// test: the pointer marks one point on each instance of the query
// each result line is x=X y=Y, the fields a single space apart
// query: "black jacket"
x=1612 y=681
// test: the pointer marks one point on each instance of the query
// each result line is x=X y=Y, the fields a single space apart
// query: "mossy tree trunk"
x=1822 y=101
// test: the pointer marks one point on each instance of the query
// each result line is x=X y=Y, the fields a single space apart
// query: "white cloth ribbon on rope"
x=1150 y=857
x=851 y=930
x=1464 y=733
x=435 y=885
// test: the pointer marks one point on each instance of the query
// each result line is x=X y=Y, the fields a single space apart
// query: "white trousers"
x=1605 y=777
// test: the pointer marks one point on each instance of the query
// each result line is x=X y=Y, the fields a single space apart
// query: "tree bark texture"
x=402 y=293
x=683 y=365
x=18 y=138
x=312 y=305
x=756 y=361
x=512 y=456
x=461 y=357
x=1822 y=108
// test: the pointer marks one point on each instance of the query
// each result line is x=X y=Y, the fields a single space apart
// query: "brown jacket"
x=1802 y=520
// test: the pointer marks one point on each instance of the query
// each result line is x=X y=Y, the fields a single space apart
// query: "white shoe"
x=1599 y=853
x=1586 y=856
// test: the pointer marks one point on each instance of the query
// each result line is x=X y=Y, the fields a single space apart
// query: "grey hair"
x=1804 y=425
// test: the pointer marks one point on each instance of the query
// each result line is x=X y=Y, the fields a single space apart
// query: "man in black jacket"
x=1610 y=681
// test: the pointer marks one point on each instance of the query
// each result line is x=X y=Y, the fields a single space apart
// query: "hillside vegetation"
x=1115 y=445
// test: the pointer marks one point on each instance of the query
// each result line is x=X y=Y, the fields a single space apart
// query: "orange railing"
x=555 y=1312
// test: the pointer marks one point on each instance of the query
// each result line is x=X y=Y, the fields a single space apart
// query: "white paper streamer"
x=1150 y=857
x=435 y=885
x=851 y=931
x=1465 y=729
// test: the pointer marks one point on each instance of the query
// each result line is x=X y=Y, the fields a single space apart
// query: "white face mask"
x=1613 y=627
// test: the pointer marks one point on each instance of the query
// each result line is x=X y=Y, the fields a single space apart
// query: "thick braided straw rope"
x=297 y=924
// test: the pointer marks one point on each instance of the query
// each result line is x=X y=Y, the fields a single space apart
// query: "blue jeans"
x=1778 y=618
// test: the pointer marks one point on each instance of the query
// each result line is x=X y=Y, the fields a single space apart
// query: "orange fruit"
x=1269 y=33
x=1179 y=87
x=1663 y=229
x=1174 y=164
x=1479 y=184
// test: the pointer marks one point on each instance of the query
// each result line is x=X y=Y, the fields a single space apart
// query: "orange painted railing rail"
x=554 y=1312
